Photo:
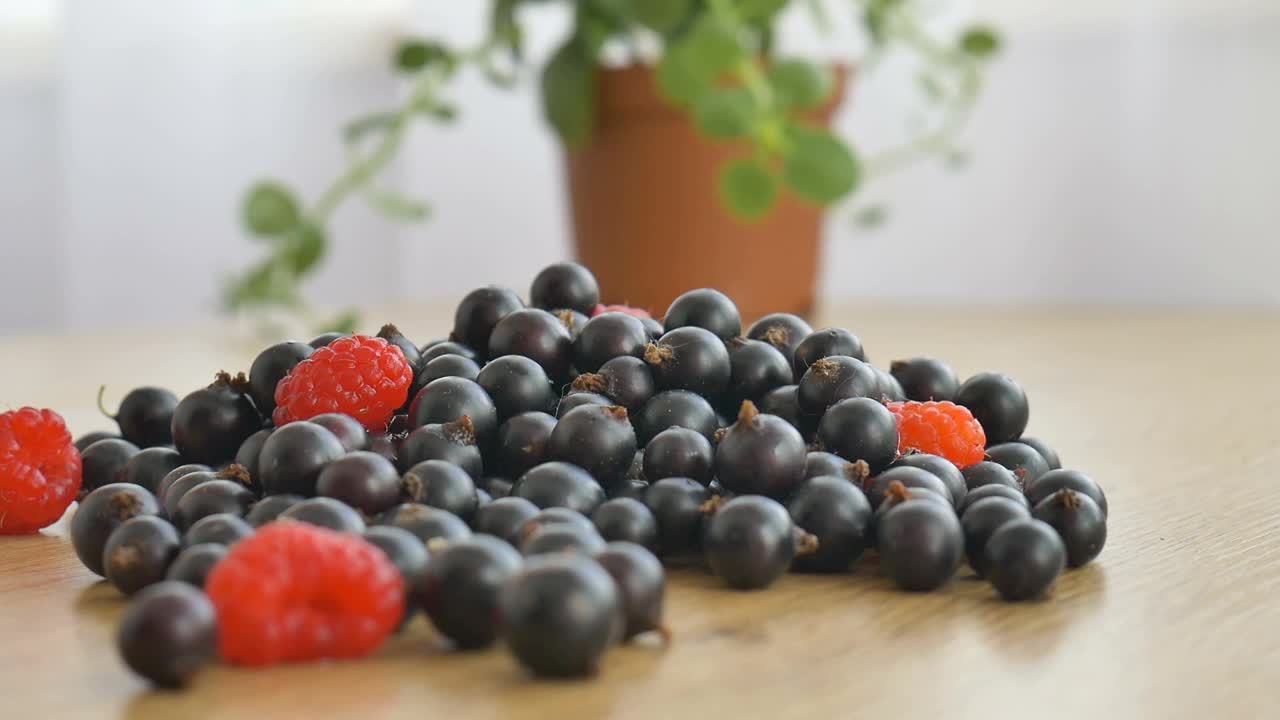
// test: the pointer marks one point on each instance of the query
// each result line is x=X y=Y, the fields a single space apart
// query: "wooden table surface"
x=1176 y=414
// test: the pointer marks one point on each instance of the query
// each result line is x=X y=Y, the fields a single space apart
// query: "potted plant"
x=703 y=158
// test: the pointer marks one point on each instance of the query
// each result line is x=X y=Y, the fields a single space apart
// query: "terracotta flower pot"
x=649 y=222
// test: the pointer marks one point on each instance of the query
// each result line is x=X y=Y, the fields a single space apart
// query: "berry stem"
x=102 y=389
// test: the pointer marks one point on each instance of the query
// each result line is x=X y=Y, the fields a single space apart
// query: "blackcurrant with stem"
x=1054 y=480
x=577 y=399
x=755 y=368
x=946 y=471
x=522 y=442
x=598 y=439
x=537 y=335
x=138 y=553
x=210 y=424
x=836 y=512
x=449 y=399
x=1078 y=521
x=689 y=358
x=860 y=429
x=145 y=416
x=292 y=458
x=393 y=336
x=1025 y=462
x=572 y=320
x=750 y=542
x=625 y=380
x=453 y=442
x=921 y=545
x=760 y=454
x=824 y=343
x=248 y=454
x=783 y=331
x=440 y=484
x=830 y=380
x=911 y=477
x=818 y=462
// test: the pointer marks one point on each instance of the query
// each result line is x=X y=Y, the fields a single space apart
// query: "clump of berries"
x=518 y=481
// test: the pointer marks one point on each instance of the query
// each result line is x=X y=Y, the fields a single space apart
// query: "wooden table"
x=1177 y=414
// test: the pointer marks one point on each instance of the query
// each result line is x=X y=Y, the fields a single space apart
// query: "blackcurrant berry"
x=426 y=523
x=324 y=339
x=537 y=335
x=981 y=520
x=760 y=455
x=572 y=320
x=443 y=485
x=162 y=489
x=837 y=513
x=366 y=481
x=577 y=399
x=168 y=633
x=270 y=367
x=559 y=615
x=347 y=429
x=1023 y=559
x=1025 y=462
x=459 y=589
x=522 y=442
x=785 y=403
x=641 y=584
x=924 y=379
x=679 y=452
x=653 y=328
x=887 y=387
x=453 y=442
x=292 y=458
x=946 y=471
x=517 y=384
x=393 y=336
x=180 y=487
x=145 y=416
x=217 y=529
x=629 y=488
x=991 y=491
x=138 y=553
x=210 y=424
x=596 y=438
x=149 y=466
x=444 y=366
x=561 y=538
x=504 y=518
x=626 y=519
x=555 y=516
x=988 y=473
x=832 y=379
x=921 y=545
x=676 y=504
x=407 y=554
x=565 y=285
x=911 y=477
x=560 y=484
x=211 y=498
x=449 y=399
x=248 y=454
x=193 y=565
x=755 y=368
x=675 y=408
x=83 y=442
x=828 y=342
x=1079 y=522
x=705 y=308
x=689 y=358
x=817 y=463
x=1049 y=454
x=497 y=487
x=605 y=337
x=479 y=312
x=783 y=331
x=1054 y=480
x=441 y=348
x=103 y=463
x=860 y=429
x=626 y=381
x=326 y=513
x=269 y=508
x=998 y=403
x=750 y=542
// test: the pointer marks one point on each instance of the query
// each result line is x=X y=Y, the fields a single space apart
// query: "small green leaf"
x=712 y=47
x=871 y=216
x=661 y=16
x=357 y=129
x=305 y=249
x=397 y=206
x=980 y=42
x=748 y=189
x=505 y=29
x=876 y=18
x=414 y=55
x=568 y=93
x=726 y=113
x=799 y=84
x=818 y=167
x=753 y=10
x=679 y=79
x=444 y=112
x=269 y=209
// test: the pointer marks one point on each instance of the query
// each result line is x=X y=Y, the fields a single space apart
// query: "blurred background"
x=1122 y=152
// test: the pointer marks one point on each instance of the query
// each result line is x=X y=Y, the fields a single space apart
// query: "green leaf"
x=569 y=93
x=397 y=206
x=444 y=112
x=414 y=55
x=726 y=113
x=876 y=18
x=712 y=47
x=679 y=79
x=980 y=42
x=266 y=284
x=305 y=249
x=799 y=84
x=505 y=29
x=871 y=216
x=753 y=10
x=747 y=188
x=661 y=16
x=269 y=209
x=818 y=167
x=357 y=129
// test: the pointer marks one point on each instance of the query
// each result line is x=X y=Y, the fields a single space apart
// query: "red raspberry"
x=940 y=428
x=39 y=470
x=364 y=377
x=625 y=309
x=293 y=592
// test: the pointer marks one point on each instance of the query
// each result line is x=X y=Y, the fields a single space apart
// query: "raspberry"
x=39 y=470
x=364 y=377
x=624 y=309
x=939 y=428
x=294 y=592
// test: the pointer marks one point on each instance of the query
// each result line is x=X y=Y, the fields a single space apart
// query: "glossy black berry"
x=180 y=487
x=837 y=513
x=149 y=466
x=559 y=615
x=921 y=544
x=145 y=416
x=100 y=513
x=249 y=452
x=689 y=358
x=760 y=455
x=1049 y=454
x=162 y=489
x=830 y=380
x=653 y=328
x=783 y=331
x=448 y=347
x=522 y=443
x=887 y=387
x=625 y=380
x=443 y=485
x=459 y=589
x=750 y=542
x=504 y=518
x=819 y=462
x=641 y=583
x=1078 y=521
x=444 y=366
x=517 y=384
x=292 y=458
x=992 y=491
x=924 y=379
x=676 y=504
x=755 y=368
x=366 y=481
x=560 y=484
x=860 y=429
x=596 y=438
x=210 y=424
x=998 y=403
x=561 y=538
x=555 y=516
x=347 y=429
x=1023 y=559
x=911 y=477
x=785 y=403
x=168 y=633
x=1055 y=480
x=944 y=469
x=211 y=498
x=577 y=399
x=1026 y=463
x=103 y=463
x=83 y=442
x=269 y=508
x=988 y=473
x=453 y=442
x=138 y=553
x=449 y=399
x=537 y=335
x=679 y=452
x=324 y=339
x=478 y=313
x=981 y=520
x=270 y=367
x=404 y=551
x=326 y=513
x=393 y=336
x=572 y=320
x=626 y=519
x=220 y=529
x=828 y=342
x=629 y=488
x=193 y=564
x=426 y=523
x=565 y=285
x=605 y=337
x=675 y=408
x=705 y=308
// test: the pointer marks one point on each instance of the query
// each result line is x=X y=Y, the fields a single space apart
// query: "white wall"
x=1123 y=152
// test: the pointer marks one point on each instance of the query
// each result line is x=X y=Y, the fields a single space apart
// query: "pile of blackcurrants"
x=596 y=439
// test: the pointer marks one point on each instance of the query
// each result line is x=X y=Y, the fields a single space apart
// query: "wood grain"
x=1175 y=413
